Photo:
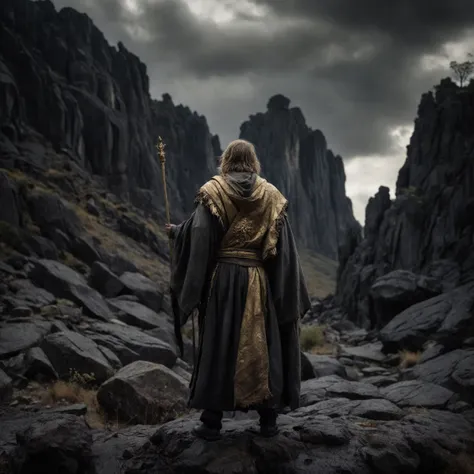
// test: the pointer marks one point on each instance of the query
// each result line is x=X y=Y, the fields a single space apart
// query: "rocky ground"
x=90 y=382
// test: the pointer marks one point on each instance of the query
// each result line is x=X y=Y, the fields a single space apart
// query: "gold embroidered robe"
x=236 y=261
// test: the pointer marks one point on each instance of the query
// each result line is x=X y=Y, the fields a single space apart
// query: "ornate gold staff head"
x=160 y=146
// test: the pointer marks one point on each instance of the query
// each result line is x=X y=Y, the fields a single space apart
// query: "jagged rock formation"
x=59 y=76
x=297 y=160
x=428 y=228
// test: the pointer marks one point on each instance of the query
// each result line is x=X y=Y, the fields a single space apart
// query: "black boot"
x=268 y=425
x=210 y=427
x=205 y=432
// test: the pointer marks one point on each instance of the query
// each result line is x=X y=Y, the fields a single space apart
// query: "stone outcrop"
x=428 y=228
x=60 y=77
x=423 y=441
x=297 y=160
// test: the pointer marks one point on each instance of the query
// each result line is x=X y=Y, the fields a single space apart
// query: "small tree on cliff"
x=462 y=71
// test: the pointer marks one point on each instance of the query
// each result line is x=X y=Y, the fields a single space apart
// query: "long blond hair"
x=240 y=155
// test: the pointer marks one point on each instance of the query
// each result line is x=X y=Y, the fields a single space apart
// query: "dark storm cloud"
x=352 y=66
x=412 y=22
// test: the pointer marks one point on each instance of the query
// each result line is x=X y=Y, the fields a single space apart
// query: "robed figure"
x=235 y=261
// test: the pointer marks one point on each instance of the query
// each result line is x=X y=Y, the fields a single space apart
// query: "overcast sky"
x=356 y=68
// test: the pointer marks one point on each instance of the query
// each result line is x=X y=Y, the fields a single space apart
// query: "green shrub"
x=312 y=336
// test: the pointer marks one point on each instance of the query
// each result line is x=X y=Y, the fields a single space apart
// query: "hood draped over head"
x=242 y=183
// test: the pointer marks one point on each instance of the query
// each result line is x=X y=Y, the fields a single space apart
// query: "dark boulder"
x=50 y=212
x=69 y=351
x=84 y=249
x=142 y=287
x=136 y=314
x=144 y=393
x=454 y=370
x=104 y=280
x=130 y=344
x=323 y=365
x=17 y=337
x=42 y=247
x=447 y=318
x=61 y=444
x=397 y=291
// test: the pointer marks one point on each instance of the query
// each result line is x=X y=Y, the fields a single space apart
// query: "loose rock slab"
x=130 y=344
x=68 y=350
x=368 y=352
x=453 y=370
x=141 y=286
x=104 y=280
x=20 y=336
x=323 y=365
x=377 y=409
x=332 y=386
x=417 y=393
x=135 y=314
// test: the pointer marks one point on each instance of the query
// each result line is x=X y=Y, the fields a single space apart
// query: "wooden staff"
x=161 y=152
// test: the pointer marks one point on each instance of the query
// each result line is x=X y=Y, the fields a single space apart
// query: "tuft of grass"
x=67 y=392
x=312 y=337
x=27 y=182
x=18 y=176
x=55 y=173
x=408 y=359
x=78 y=388
x=325 y=349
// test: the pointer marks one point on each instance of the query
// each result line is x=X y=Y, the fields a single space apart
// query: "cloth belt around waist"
x=244 y=257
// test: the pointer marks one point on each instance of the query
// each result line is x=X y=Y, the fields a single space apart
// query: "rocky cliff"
x=60 y=77
x=428 y=229
x=297 y=160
